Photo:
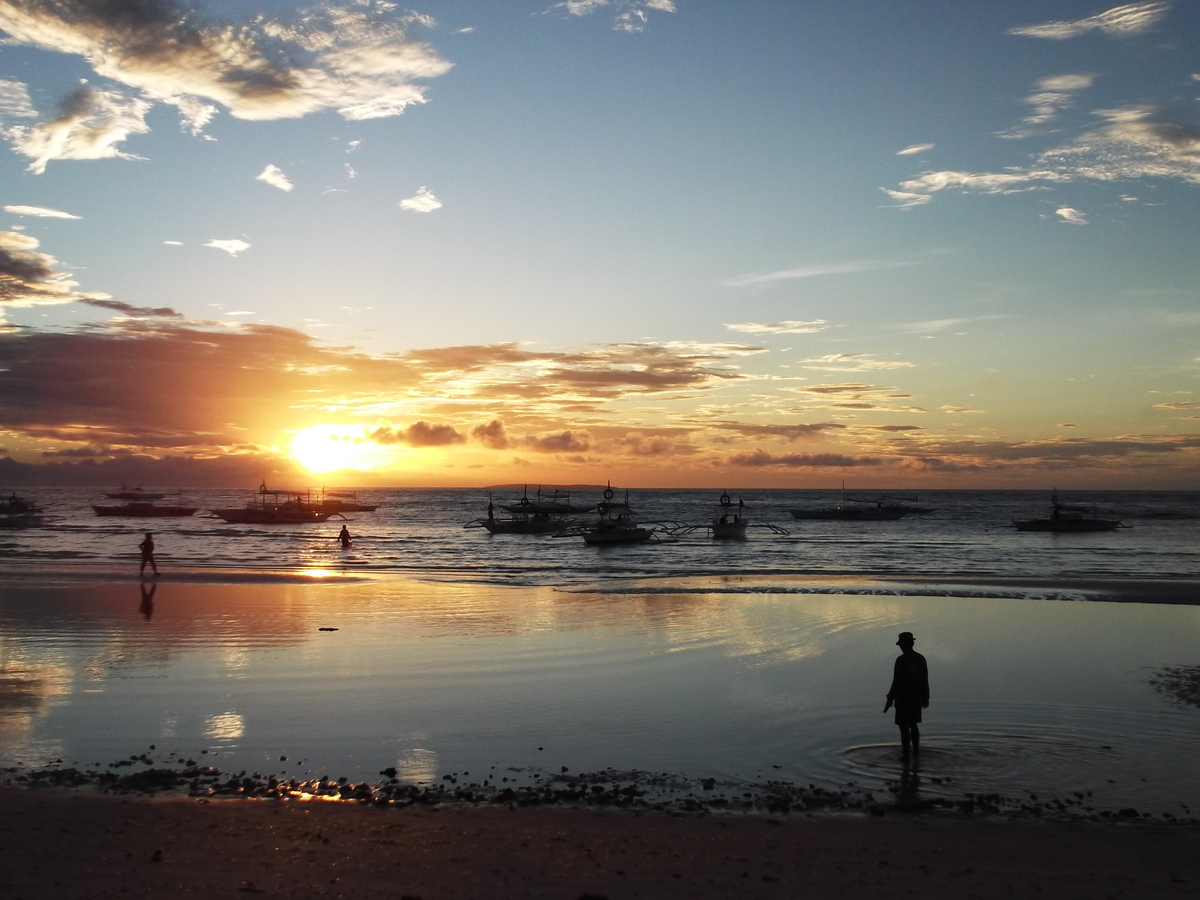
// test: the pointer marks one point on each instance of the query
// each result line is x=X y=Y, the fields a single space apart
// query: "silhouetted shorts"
x=908 y=715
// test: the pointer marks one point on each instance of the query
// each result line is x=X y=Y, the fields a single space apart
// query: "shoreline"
x=1175 y=590
x=152 y=847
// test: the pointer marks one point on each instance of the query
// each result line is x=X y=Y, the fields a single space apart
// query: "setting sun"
x=328 y=448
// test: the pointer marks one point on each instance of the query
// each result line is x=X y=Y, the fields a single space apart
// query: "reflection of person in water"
x=147 y=548
x=909 y=693
x=147 y=607
x=344 y=537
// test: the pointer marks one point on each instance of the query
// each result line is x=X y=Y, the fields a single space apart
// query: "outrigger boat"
x=18 y=513
x=729 y=522
x=723 y=526
x=869 y=511
x=618 y=525
x=526 y=516
x=296 y=509
x=1066 y=518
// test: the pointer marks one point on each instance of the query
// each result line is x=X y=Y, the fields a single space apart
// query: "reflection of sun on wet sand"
x=231 y=848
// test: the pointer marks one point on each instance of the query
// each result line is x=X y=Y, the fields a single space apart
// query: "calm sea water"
x=525 y=653
x=420 y=532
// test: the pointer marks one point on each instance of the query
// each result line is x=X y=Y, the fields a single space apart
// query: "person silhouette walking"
x=909 y=693
x=147 y=548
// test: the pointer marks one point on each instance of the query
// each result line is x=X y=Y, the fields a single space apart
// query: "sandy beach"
x=84 y=844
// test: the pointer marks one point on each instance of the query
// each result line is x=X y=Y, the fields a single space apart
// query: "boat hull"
x=257 y=516
x=733 y=530
x=145 y=511
x=624 y=535
x=505 y=526
x=1068 y=526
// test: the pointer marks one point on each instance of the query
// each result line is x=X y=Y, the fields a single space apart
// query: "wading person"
x=147 y=548
x=344 y=538
x=909 y=693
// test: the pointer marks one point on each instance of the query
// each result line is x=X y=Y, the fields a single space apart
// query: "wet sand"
x=66 y=844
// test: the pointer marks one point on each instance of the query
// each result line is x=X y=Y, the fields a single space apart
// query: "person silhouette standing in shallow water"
x=344 y=537
x=147 y=548
x=909 y=693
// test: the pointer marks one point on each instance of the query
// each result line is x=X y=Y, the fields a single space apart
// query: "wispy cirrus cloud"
x=1120 y=21
x=39 y=211
x=273 y=175
x=1071 y=216
x=423 y=201
x=913 y=149
x=1054 y=94
x=631 y=15
x=358 y=60
x=788 y=326
x=1134 y=142
x=852 y=362
x=816 y=271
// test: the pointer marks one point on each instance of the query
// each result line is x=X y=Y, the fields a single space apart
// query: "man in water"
x=147 y=548
x=344 y=537
x=909 y=693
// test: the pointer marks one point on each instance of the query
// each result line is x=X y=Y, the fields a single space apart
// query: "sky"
x=662 y=243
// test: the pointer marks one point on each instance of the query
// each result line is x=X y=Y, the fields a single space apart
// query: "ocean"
x=453 y=656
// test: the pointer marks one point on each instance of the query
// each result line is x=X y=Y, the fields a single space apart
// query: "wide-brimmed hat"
x=906 y=637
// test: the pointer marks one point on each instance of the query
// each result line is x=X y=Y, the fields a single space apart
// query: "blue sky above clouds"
x=663 y=242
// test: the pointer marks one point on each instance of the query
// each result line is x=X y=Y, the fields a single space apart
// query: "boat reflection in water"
x=1066 y=518
x=297 y=508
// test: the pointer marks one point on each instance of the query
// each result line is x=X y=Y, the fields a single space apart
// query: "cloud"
x=41 y=211
x=789 y=433
x=955 y=410
x=29 y=277
x=943 y=324
x=1055 y=93
x=848 y=268
x=274 y=176
x=566 y=441
x=422 y=201
x=90 y=125
x=1120 y=21
x=761 y=458
x=356 y=59
x=1134 y=142
x=632 y=15
x=119 y=383
x=913 y=149
x=852 y=362
x=492 y=435
x=418 y=434
x=636 y=443
x=133 y=311
x=233 y=246
x=15 y=102
x=788 y=326
x=1071 y=216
